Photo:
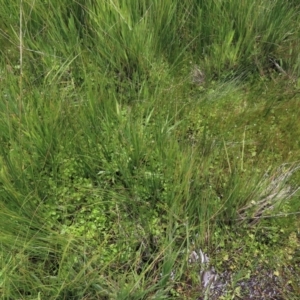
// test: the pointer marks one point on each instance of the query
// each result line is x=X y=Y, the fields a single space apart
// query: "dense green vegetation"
x=134 y=132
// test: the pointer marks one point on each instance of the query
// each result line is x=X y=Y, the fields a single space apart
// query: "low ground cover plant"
x=144 y=144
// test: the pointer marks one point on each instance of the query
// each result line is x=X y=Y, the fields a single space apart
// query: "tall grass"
x=115 y=165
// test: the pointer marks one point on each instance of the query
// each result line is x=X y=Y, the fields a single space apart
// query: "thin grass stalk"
x=21 y=67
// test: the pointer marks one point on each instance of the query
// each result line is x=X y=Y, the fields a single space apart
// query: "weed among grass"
x=133 y=134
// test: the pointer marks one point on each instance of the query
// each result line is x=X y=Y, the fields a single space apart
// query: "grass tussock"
x=134 y=133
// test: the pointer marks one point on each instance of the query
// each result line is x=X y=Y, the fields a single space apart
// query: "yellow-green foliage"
x=132 y=132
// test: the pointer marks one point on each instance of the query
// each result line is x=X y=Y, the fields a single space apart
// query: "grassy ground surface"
x=135 y=132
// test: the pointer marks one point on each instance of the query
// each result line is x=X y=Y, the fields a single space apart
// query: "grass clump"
x=133 y=134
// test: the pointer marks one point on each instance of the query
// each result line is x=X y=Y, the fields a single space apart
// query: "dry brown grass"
x=273 y=191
